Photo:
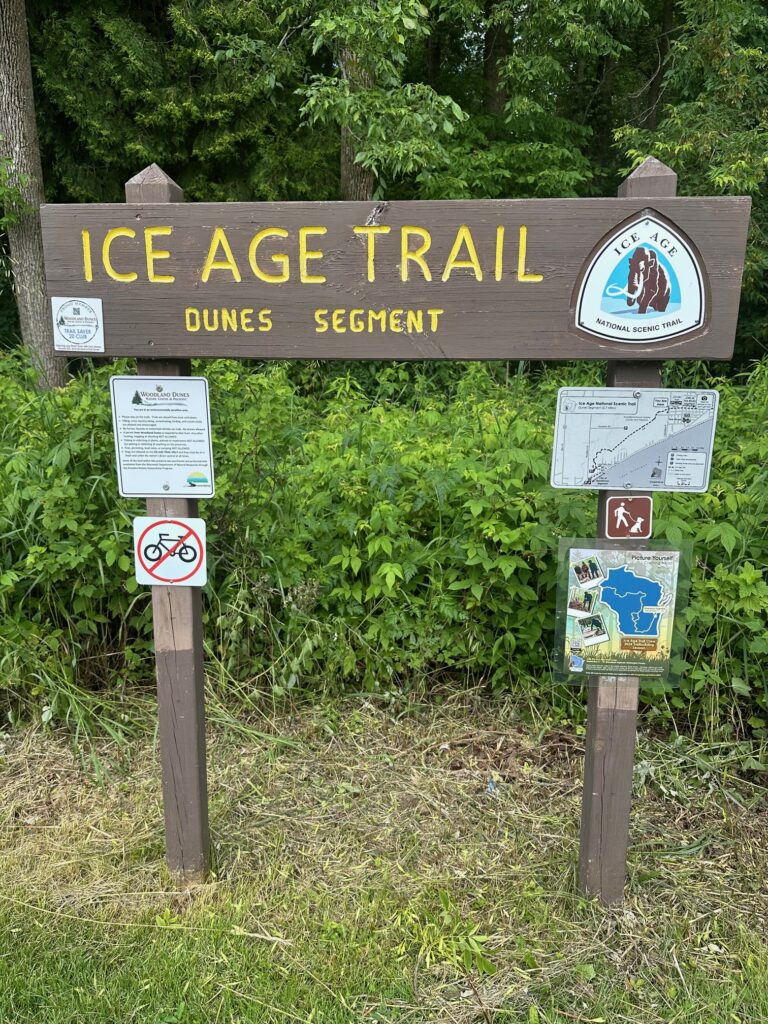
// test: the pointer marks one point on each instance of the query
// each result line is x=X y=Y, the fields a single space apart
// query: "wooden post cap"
x=651 y=178
x=153 y=185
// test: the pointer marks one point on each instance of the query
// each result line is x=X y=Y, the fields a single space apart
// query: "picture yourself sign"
x=496 y=279
x=617 y=606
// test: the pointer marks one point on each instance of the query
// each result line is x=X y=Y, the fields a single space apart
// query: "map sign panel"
x=616 y=609
x=644 y=439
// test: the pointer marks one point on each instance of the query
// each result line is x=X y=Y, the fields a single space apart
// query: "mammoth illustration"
x=647 y=281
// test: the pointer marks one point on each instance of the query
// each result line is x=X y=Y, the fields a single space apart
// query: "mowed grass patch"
x=417 y=866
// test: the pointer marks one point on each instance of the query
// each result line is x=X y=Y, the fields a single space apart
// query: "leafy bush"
x=390 y=530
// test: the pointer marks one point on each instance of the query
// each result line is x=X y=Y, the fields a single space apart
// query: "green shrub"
x=372 y=531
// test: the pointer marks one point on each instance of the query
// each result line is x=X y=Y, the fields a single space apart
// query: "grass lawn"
x=364 y=872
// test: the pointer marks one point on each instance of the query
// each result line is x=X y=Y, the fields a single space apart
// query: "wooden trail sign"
x=628 y=278
x=634 y=280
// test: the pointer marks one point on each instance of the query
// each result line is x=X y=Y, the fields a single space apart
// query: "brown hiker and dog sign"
x=634 y=280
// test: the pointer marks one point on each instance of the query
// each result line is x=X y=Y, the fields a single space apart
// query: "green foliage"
x=207 y=90
x=247 y=99
x=714 y=128
x=12 y=201
x=443 y=936
x=9 y=320
x=376 y=537
x=398 y=128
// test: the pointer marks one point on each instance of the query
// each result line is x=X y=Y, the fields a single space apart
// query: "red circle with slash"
x=187 y=532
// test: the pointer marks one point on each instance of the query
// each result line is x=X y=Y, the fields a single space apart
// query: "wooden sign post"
x=612 y=700
x=177 y=617
x=633 y=280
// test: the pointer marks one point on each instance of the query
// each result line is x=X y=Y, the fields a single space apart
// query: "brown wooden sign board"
x=495 y=279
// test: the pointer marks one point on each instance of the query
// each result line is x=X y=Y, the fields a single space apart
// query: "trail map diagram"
x=644 y=439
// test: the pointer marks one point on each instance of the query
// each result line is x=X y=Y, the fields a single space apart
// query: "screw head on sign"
x=166 y=487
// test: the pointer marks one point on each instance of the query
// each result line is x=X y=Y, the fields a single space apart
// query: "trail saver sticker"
x=643 y=284
x=78 y=325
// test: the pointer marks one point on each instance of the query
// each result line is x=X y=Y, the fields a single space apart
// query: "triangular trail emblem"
x=643 y=283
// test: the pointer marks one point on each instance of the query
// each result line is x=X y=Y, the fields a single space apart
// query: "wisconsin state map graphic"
x=628 y=595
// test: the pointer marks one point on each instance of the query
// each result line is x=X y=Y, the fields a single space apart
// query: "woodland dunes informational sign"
x=501 y=279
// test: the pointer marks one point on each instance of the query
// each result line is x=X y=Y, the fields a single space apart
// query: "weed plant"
x=376 y=527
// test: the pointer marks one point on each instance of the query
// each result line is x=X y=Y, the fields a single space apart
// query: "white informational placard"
x=78 y=325
x=634 y=439
x=162 y=437
x=169 y=552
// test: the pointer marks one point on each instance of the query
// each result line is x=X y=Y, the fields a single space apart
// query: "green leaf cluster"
x=369 y=532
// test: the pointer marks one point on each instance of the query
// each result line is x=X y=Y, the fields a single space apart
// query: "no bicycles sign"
x=169 y=552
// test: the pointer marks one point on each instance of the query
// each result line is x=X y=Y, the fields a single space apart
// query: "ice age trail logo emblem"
x=650 y=284
x=644 y=283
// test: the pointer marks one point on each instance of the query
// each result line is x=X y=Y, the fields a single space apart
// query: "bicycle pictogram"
x=174 y=546
x=169 y=551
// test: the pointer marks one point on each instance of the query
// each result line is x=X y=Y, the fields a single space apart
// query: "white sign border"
x=143 y=523
x=584 y=280
x=115 y=431
x=627 y=496
x=93 y=347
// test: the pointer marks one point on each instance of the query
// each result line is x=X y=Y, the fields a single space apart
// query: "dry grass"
x=355 y=868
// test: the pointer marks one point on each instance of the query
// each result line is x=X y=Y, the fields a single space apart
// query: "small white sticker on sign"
x=170 y=552
x=78 y=325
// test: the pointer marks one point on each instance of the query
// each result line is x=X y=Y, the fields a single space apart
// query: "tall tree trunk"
x=18 y=142
x=496 y=48
x=356 y=181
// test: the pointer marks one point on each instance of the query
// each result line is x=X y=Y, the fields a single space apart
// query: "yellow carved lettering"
x=219 y=238
x=156 y=254
x=109 y=238
x=321 y=321
x=211 y=319
x=337 y=320
x=356 y=325
x=416 y=255
x=192 y=318
x=87 y=264
x=498 y=268
x=434 y=316
x=280 y=259
x=414 y=320
x=370 y=231
x=306 y=254
x=245 y=320
x=229 y=319
x=521 y=258
x=394 y=320
x=379 y=317
x=463 y=237
x=265 y=320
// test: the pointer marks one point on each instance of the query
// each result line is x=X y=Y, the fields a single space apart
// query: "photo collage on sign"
x=617 y=609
